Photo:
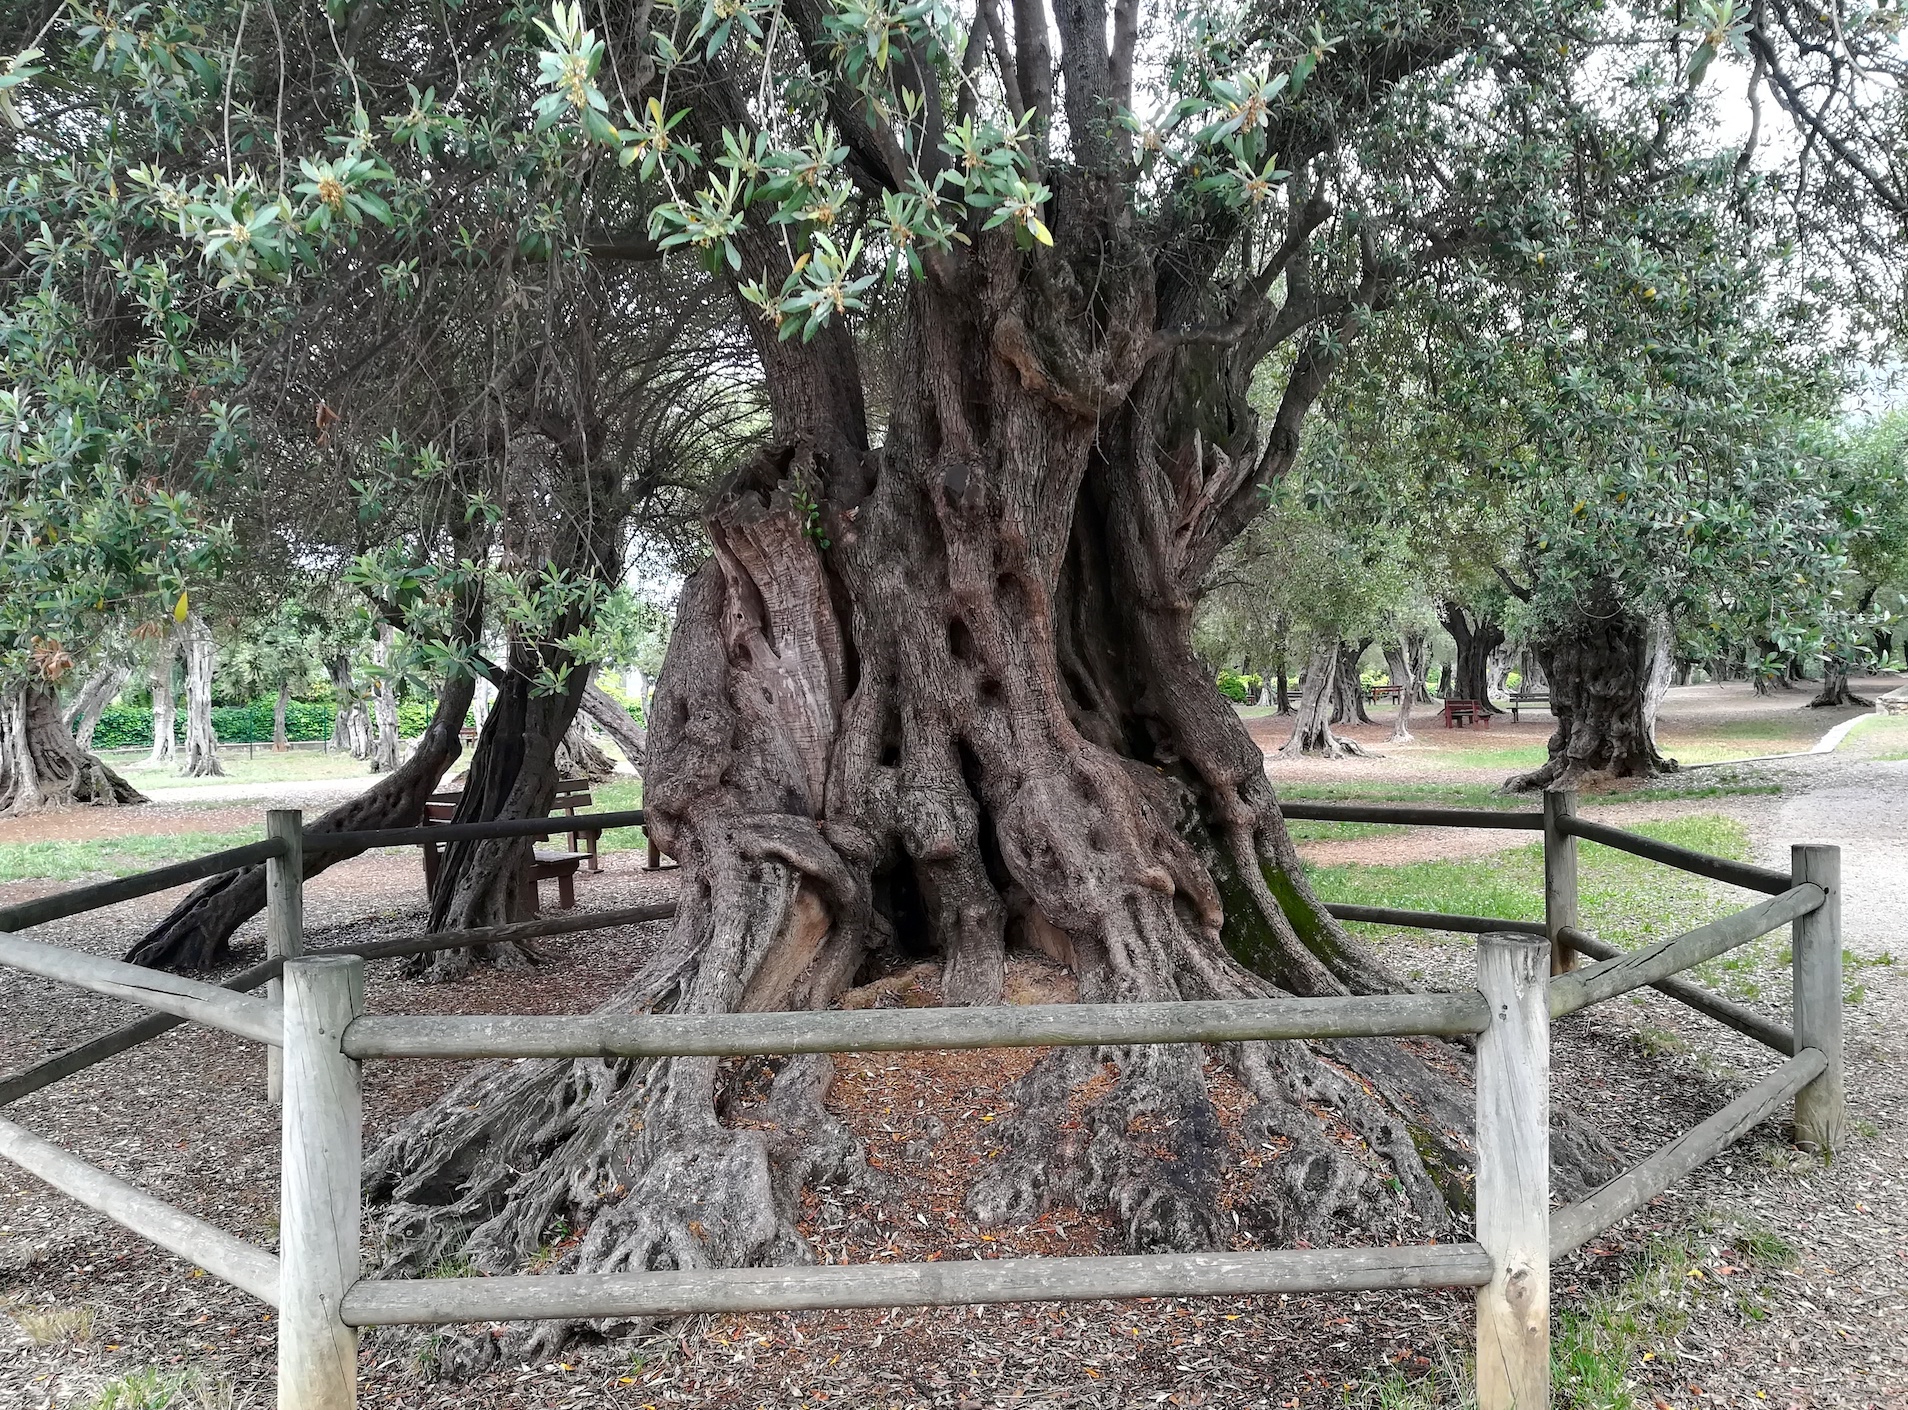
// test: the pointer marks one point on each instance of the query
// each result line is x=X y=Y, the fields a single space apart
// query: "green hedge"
x=130 y=726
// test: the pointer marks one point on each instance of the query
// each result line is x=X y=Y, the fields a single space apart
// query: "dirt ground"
x=185 y=1117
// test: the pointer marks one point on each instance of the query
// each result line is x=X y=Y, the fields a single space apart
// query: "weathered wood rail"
x=314 y=1021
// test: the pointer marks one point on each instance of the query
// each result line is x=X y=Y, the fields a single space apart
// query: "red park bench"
x=1464 y=712
x=545 y=863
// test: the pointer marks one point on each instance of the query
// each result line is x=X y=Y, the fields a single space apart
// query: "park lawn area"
x=619 y=795
x=263 y=766
x=1880 y=737
x=1625 y=899
x=98 y=857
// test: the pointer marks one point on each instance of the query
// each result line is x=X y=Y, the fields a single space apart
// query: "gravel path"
x=184 y=1116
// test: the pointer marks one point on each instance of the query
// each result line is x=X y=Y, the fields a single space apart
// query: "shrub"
x=130 y=726
x=1237 y=688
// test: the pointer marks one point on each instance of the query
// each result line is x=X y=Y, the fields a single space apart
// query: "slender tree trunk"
x=1283 y=698
x=201 y=744
x=281 y=735
x=164 y=728
x=1446 y=689
x=198 y=931
x=1476 y=640
x=42 y=765
x=100 y=690
x=1398 y=665
x=618 y=723
x=384 y=750
x=1884 y=648
x=1607 y=670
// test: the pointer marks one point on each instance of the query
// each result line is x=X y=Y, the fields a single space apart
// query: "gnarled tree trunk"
x=1607 y=669
x=101 y=689
x=201 y=661
x=384 y=716
x=351 y=726
x=1312 y=720
x=1348 y=689
x=164 y=728
x=1835 y=692
x=198 y=931
x=42 y=765
x=1476 y=637
x=941 y=696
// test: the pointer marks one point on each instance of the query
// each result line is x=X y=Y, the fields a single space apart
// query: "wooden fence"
x=1527 y=975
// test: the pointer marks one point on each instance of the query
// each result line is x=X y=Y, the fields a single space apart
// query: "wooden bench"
x=1534 y=697
x=1465 y=712
x=546 y=864
x=1383 y=692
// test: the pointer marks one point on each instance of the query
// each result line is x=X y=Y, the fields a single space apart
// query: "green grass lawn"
x=99 y=857
x=294 y=766
x=1625 y=899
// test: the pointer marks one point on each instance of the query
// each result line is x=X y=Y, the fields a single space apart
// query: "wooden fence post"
x=1513 y=1173
x=284 y=917
x=320 y=1200
x=1560 y=876
x=1821 y=1108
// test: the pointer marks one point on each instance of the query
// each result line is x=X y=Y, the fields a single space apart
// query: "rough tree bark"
x=42 y=765
x=1476 y=637
x=164 y=727
x=1398 y=667
x=197 y=933
x=1607 y=670
x=281 y=736
x=101 y=689
x=1318 y=696
x=201 y=758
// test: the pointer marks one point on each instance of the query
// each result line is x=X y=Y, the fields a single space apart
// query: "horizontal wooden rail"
x=1520 y=820
x=1682 y=858
x=151 y=988
x=1673 y=955
x=1576 y=1224
x=911 y=1030
x=81 y=1056
x=471 y=832
x=1727 y=1012
x=1432 y=920
x=187 y=1235
x=90 y=898
x=945 y=1284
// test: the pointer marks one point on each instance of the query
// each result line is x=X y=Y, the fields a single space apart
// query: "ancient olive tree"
x=1625 y=428
x=1040 y=313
